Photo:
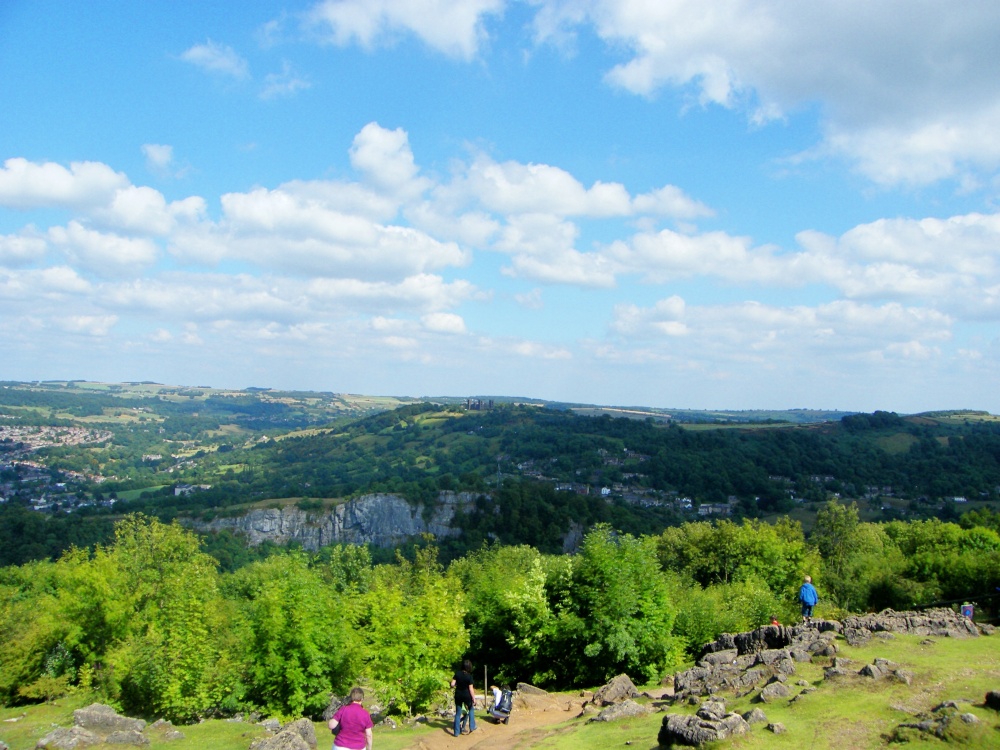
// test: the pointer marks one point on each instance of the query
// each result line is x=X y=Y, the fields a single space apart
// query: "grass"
x=848 y=713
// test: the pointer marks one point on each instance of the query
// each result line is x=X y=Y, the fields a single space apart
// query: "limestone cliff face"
x=383 y=520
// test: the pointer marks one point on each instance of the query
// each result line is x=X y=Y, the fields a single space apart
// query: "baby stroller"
x=503 y=704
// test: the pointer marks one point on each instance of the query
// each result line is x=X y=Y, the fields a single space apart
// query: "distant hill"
x=545 y=470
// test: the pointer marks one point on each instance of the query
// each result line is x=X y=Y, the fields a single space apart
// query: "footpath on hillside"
x=533 y=718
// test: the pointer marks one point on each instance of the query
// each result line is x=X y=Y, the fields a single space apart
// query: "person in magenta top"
x=355 y=724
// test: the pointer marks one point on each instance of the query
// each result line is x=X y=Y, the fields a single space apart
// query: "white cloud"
x=952 y=263
x=159 y=157
x=283 y=84
x=442 y=322
x=276 y=229
x=422 y=292
x=344 y=197
x=513 y=187
x=25 y=184
x=47 y=284
x=198 y=298
x=143 y=210
x=670 y=200
x=105 y=254
x=668 y=255
x=384 y=157
x=542 y=247
x=21 y=249
x=531 y=300
x=89 y=325
x=218 y=59
x=538 y=350
x=752 y=330
x=453 y=27
x=908 y=92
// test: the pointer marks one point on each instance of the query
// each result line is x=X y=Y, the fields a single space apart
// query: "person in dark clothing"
x=465 y=697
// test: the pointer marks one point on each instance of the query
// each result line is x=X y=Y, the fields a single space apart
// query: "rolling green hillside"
x=85 y=453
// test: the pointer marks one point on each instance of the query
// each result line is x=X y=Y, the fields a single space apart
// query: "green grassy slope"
x=847 y=713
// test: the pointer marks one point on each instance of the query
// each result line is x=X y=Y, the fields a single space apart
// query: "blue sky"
x=727 y=205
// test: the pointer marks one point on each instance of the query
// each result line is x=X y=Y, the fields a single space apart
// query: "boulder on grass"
x=283 y=740
x=127 y=737
x=304 y=729
x=621 y=710
x=619 y=689
x=706 y=726
x=104 y=720
x=68 y=739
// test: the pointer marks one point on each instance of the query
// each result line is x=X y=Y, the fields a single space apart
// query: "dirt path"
x=527 y=726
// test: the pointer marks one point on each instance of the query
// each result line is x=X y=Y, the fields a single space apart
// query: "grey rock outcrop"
x=104 y=720
x=380 y=519
x=304 y=729
x=281 y=741
x=743 y=661
x=774 y=691
x=297 y=735
x=621 y=710
x=618 y=689
x=710 y=724
x=938 y=723
x=94 y=725
x=531 y=698
x=937 y=622
x=127 y=737
x=69 y=739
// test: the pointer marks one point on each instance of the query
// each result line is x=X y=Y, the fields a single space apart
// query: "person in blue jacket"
x=808 y=597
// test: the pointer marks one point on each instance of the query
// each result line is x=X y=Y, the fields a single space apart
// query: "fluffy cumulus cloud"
x=908 y=92
x=21 y=249
x=103 y=253
x=755 y=331
x=453 y=27
x=25 y=184
x=540 y=188
x=384 y=157
x=396 y=265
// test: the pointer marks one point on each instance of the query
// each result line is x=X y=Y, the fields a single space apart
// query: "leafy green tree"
x=167 y=663
x=835 y=536
x=412 y=631
x=724 y=552
x=704 y=613
x=620 y=614
x=508 y=610
x=298 y=644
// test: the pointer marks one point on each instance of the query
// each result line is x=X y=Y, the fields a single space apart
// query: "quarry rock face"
x=379 y=519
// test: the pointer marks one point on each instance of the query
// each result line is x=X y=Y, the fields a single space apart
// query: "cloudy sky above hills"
x=672 y=203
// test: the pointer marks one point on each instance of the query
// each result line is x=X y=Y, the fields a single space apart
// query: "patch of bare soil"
x=531 y=721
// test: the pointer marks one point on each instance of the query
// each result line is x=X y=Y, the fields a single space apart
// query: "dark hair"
x=467 y=666
x=356 y=695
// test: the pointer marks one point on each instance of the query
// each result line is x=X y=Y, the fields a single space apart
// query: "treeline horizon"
x=150 y=624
